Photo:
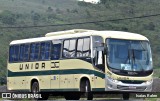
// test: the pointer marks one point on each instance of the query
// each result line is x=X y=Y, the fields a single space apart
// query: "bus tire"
x=125 y=96
x=86 y=89
x=35 y=90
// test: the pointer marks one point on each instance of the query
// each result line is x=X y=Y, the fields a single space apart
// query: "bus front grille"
x=132 y=81
x=142 y=88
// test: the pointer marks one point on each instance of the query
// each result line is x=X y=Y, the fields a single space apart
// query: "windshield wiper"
x=128 y=57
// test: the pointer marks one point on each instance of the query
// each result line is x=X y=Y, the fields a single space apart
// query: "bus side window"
x=45 y=51
x=83 y=47
x=72 y=48
x=80 y=48
x=11 y=54
x=66 y=49
x=86 y=47
x=26 y=52
x=42 y=52
x=55 y=51
x=21 y=55
x=34 y=51
x=36 y=55
x=16 y=53
x=69 y=48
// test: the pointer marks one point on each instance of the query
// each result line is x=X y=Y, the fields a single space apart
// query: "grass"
x=156 y=72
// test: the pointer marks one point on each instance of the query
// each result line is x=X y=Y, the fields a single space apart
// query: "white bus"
x=80 y=60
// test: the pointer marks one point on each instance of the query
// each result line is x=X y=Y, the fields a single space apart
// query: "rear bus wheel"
x=86 y=89
x=35 y=90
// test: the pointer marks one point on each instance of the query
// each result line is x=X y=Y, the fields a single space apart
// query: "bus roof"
x=104 y=34
x=73 y=31
x=121 y=35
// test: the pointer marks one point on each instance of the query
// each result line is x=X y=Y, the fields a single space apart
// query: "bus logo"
x=6 y=95
x=55 y=65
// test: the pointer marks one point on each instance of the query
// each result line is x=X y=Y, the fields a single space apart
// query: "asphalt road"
x=156 y=85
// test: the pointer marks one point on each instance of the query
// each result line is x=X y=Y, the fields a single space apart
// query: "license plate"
x=132 y=87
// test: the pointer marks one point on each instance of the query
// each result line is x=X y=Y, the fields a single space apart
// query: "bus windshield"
x=129 y=55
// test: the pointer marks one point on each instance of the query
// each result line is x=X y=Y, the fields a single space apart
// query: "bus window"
x=14 y=53
x=80 y=48
x=45 y=51
x=11 y=54
x=55 y=51
x=69 y=48
x=34 y=51
x=36 y=55
x=83 y=47
x=86 y=47
x=21 y=55
x=66 y=49
x=72 y=48
x=26 y=52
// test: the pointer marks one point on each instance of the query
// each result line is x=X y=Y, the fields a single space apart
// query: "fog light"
x=149 y=81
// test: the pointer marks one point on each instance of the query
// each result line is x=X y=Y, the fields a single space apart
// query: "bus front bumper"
x=114 y=85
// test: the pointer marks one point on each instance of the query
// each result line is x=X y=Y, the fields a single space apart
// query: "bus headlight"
x=114 y=80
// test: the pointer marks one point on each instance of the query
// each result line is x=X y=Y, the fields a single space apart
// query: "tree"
x=35 y=18
x=88 y=13
x=74 y=11
x=59 y=11
x=103 y=1
x=8 y=17
x=49 y=9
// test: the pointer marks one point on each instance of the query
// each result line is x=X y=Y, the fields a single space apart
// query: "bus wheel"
x=85 y=87
x=35 y=90
x=125 y=96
